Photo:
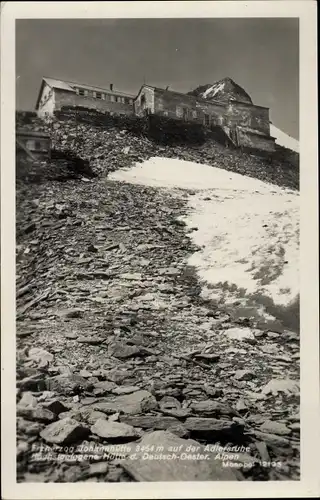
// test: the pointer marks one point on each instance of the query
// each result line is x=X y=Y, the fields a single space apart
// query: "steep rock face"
x=223 y=90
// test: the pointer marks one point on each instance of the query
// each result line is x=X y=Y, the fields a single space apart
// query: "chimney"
x=111 y=86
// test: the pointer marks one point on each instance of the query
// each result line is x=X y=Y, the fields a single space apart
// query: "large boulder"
x=163 y=456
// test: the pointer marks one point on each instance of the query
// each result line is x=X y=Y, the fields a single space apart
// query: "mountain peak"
x=227 y=79
x=223 y=90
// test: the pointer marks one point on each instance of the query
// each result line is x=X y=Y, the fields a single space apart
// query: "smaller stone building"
x=34 y=144
x=54 y=94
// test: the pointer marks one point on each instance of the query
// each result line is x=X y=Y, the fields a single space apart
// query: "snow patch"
x=215 y=89
x=284 y=139
x=248 y=232
x=206 y=92
x=175 y=173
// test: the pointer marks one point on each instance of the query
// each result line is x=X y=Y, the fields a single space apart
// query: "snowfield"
x=248 y=232
x=284 y=139
x=215 y=89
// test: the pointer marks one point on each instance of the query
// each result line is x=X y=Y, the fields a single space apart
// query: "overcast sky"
x=261 y=55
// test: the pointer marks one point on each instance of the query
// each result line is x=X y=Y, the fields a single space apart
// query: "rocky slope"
x=108 y=148
x=118 y=355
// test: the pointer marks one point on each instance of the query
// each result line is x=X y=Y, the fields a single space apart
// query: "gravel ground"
x=115 y=347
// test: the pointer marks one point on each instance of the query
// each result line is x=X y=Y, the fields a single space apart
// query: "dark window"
x=206 y=119
x=143 y=100
x=98 y=95
x=81 y=92
x=37 y=145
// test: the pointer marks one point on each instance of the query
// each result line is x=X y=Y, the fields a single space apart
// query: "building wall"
x=174 y=105
x=186 y=107
x=67 y=98
x=249 y=116
x=248 y=139
x=210 y=112
x=228 y=116
x=179 y=106
x=145 y=101
x=47 y=101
